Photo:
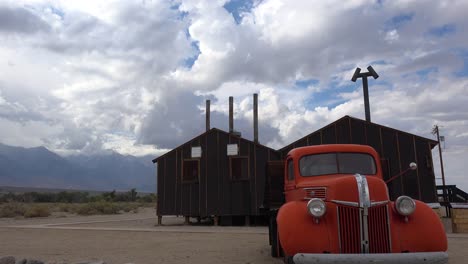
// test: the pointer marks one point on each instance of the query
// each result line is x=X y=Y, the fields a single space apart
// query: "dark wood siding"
x=396 y=149
x=343 y=134
x=212 y=176
x=329 y=135
x=358 y=132
x=215 y=192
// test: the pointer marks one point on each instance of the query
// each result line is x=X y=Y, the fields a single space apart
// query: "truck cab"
x=337 y=206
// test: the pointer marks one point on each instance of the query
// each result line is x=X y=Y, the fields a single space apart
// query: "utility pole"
x=435 y=131
x=357 y=74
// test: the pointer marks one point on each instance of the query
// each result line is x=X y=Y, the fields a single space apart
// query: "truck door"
x=274 y=189
x=289 y=181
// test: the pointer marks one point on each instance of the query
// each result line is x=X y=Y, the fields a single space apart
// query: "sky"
x=83 y=77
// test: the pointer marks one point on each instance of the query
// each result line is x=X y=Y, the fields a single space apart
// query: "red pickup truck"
x=337 y=210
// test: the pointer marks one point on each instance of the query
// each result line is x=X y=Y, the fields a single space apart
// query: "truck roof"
x=298 y=152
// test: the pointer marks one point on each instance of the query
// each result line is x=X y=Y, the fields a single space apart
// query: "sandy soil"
x=134 y=238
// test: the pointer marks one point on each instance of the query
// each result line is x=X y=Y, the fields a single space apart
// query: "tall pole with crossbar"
x=358 y=74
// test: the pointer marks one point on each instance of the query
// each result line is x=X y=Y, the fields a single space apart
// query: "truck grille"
x=379 y=237
x=316 y=192
x=350 y=228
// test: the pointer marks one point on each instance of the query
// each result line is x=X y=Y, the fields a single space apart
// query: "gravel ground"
x=134 y=238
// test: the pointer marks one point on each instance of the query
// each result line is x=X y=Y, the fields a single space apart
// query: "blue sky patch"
x=397 y=22
x=424 y=73
x=182 y=14
x=377 y=62
x=237 y=7
x=306 y=83
x=464 y=71
x=188 y=62
x=324 y=99
x=331 y=97
x=57 y=11
x=443 y=30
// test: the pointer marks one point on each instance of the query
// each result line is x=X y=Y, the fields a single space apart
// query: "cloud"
x=20 y=20
x=133 y=77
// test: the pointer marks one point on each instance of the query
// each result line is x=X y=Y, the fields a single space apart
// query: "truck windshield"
x=337 y=163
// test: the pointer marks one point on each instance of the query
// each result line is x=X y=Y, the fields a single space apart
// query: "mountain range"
x=41 y=168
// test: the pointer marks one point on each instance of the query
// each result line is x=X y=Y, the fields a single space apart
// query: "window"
x=319 y=164
x=356 y=163
x=196 y=152
x=239 y=168
x=232 y=150
x=191 y=171
x=337 y=163
x=290 y=170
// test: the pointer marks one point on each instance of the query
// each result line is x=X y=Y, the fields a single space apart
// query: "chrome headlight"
x=405 y=205
x=316 y=207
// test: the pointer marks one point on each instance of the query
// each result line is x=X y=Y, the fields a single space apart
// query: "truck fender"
x=420 y=232
x=299 y=232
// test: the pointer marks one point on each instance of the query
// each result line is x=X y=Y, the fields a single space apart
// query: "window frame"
x=338 y=163
x=288 y=162
x=247 y=177
x=198 y=171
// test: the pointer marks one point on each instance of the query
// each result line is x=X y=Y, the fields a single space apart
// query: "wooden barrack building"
x=214 y=174
x=222 y=175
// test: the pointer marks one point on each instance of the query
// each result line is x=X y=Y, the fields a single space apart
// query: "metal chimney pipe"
x=255 y=117
x=207 y=109
x=231 y=114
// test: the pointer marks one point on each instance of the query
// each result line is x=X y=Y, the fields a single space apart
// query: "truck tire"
x=288 y=260
x=273 y=230
x=276 y=250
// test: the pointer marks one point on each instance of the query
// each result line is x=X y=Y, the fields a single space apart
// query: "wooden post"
x=187 y=220
x=444 y=190
x=159 y=220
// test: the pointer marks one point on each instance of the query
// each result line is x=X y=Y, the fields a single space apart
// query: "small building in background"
x=216 y=174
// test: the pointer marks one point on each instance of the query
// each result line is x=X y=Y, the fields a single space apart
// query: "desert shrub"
x=128 y=207
x=8 y=197
x=107 y=208
x=37 y=211
x=65 y=207
x=149 y=198
x=71 y=197
x=12 y=210
x=86 y=209
x=100 y=207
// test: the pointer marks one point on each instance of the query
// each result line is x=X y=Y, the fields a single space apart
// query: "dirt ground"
x=134 y=238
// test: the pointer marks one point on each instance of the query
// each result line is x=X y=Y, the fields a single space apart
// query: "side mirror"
x=412 y=166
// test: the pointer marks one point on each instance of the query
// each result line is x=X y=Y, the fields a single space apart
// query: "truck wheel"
x=276 y=250
x=274 y=238
x=288 y=260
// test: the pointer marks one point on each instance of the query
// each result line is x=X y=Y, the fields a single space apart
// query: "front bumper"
x=390 y=258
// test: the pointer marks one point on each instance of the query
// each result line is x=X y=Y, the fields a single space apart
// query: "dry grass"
x=37 y=210
x=12 y=209
x=15 y=209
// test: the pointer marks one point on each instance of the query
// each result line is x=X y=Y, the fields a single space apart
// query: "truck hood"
x=345 y=187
